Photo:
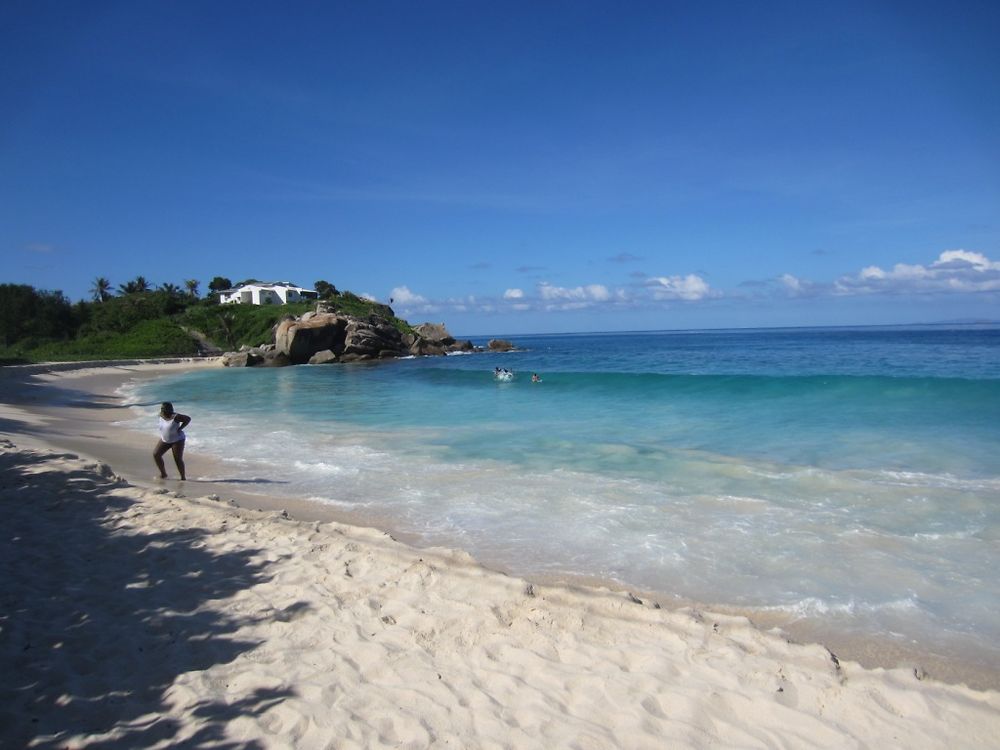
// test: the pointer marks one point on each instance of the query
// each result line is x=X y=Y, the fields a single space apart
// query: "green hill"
x=39 y=326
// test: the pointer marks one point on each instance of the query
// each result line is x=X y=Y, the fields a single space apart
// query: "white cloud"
x=598 y=292
x=962 y=259
x=691 y=287
x=792 y=283
x=573 y=298
x=513 y=294
x=953 y=271
x=796 y=287
x=368 y=296
x=589 y=293
x=403 y=296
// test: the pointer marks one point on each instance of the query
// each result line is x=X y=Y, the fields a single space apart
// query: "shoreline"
x=70 y=407
x=89 y=403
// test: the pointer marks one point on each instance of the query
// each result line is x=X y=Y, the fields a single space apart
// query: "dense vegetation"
x=139 y=321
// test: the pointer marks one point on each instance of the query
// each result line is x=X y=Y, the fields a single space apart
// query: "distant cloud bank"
x=691 y=287
x=953 y=272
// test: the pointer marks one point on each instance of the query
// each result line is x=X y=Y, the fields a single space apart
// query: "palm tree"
x=192 y=287
x=171 y=289
x=101 y=289
x=136 y=286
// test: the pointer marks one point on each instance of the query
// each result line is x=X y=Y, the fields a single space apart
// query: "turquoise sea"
x=848 y=475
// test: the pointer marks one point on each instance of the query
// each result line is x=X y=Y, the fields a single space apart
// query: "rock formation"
x=322 y=337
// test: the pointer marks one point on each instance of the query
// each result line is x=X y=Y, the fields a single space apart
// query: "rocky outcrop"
x=301 y=338
x=275 y=358
x=258 y=356
x=321 y=358
x=499 y=345
x=434 y=332
x=241 y=359
x=323 y=337
x=372 y=339
x=347 y=339
x=433 y=339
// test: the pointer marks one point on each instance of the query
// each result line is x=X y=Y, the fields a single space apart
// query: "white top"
x=170 y=431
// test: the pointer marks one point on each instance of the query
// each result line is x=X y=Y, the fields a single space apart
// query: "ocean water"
x=847 y=475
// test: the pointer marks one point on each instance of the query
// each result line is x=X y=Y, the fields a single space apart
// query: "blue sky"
x=515 y=167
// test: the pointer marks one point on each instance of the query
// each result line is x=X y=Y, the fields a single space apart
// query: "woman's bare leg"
x=161 y=448
x=178 y=451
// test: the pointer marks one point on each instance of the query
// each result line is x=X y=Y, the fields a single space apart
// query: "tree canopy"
x=219 y=284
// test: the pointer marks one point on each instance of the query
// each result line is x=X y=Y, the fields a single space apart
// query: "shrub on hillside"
x=121 y=314
x=149 y=338
x=233 y=326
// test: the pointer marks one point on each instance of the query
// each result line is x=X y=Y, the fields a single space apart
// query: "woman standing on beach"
x=172 y=438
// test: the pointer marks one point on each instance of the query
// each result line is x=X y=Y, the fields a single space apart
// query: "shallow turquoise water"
x=849 y=473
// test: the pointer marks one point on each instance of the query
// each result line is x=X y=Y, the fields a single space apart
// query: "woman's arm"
x=182 y=419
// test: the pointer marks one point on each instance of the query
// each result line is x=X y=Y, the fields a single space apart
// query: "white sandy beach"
x=143 y=615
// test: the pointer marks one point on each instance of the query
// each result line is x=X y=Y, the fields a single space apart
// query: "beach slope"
x=139 y=617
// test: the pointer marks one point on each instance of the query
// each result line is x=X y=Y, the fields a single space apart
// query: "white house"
x=266 y=293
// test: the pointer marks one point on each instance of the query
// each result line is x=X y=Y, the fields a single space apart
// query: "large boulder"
x=300 y=339
x=348 y=339
x=371 y=339
x=265 y=356
x=274 y=358
x=241 y=359
x=430 y=339
x=324 y=357
x=499 y=345
x=321 y=336
x=435 y=332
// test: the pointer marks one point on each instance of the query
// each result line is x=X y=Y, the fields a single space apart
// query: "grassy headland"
x=39 y=326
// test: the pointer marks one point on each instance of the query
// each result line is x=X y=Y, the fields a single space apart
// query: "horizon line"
x=940 y=324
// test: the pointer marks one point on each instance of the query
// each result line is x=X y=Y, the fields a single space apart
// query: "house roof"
x=266 y=285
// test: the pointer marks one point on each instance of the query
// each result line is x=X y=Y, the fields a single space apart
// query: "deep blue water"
x=845 y=473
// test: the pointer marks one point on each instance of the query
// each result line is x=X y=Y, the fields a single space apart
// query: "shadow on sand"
x=97 y=624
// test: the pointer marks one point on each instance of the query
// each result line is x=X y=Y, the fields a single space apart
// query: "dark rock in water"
x=324 y=357
x=499 y=345
x=355 y=357
x=274 y=358
x=433 y=339
x=428 y=349
x=241 y=359
x=435 y=332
